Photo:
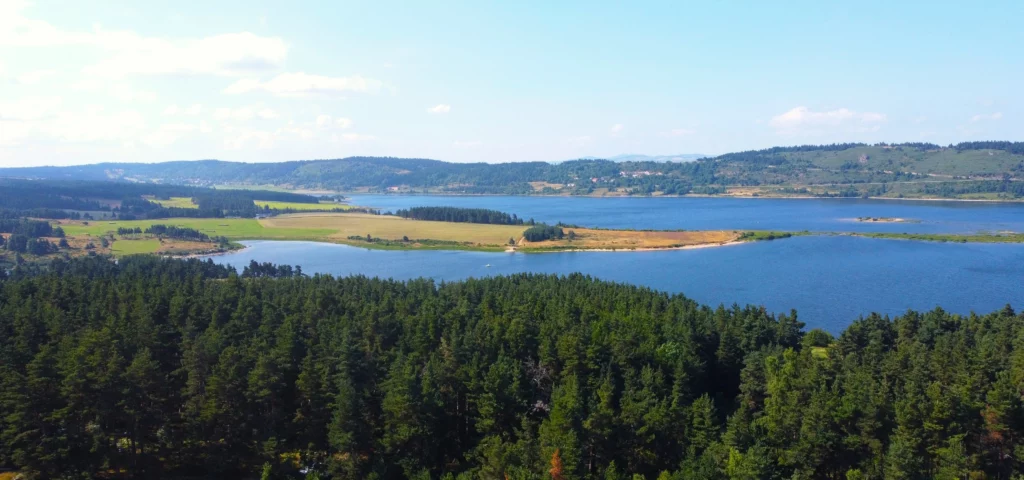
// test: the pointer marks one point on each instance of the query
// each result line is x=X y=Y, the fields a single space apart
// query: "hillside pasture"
x=394 y=228
x=322 y=206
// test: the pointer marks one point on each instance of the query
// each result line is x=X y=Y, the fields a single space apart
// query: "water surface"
x=691 y=213
x=830 y=280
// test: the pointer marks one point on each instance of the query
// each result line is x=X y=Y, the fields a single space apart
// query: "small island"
x=885 y=220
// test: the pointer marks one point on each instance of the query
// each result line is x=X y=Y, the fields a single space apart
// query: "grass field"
x=302 y=206
x=132 y=247
x=178 y=202
x=628 y=239
x=338 y=228
x=232 y=228
x=394 y=228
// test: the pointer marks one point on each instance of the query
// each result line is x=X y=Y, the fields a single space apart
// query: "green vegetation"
x=946 y=237
x=174 y=202
x=133 y=247
x=228 y=228
x=539 y=233
x=461 y=215
x=302 y=207
x=162 y=368
x=765 y=235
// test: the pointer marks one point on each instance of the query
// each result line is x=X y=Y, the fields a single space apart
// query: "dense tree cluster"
x=68 y=199
x=539 y=233
x=269 y=270
x=180 y=233
x=1016 y=148
x=952 y=189
x=154 y=365
x=29 y=228
x=461 y=215
x=19 y=243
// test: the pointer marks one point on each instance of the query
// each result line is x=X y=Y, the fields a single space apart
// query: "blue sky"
x=83 y=82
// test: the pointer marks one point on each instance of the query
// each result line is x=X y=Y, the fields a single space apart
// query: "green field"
x=132 y=247
x=941 y=237
x=232 y=228
x=325 y=206
x=175 y=202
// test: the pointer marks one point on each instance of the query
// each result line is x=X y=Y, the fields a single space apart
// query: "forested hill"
x=157 y=368
x=909 y=169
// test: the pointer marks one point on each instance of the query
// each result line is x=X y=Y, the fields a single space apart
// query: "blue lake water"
x=829 y=280
x=734 y=213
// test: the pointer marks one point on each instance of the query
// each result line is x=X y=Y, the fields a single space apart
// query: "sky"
x=258 y=81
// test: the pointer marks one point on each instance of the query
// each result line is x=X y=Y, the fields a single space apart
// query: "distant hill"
x=967 y=170
x=683 y=157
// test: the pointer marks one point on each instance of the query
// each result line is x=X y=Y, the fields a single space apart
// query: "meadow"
x=302 y=206
x=232 y=228
x=132 y=247
x=395 y=228
x=174 y=202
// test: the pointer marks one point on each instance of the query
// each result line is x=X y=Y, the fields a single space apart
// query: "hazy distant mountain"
x=918 y=169
x=633 y=157
x=636 y=157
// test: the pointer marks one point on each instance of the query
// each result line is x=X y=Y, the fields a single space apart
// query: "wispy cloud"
x=678 y=132
x=802 y=120
x=35 y=76
x=466 y=144
x=440 y=108
x=303 y=84
x=981 y=117
x=616 y=129
x=190 y=111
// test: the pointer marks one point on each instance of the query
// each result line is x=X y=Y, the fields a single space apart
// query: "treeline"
x=953 y=189
x=29 y=228
x=67 y=199
x=462 y=215
x=25 y=235
x=180 y=233
x=155 y=367
x=539 y=233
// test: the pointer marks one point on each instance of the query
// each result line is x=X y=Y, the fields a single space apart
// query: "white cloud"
x=167 y=134
x=440 y=108
x=678 y=132
x=35 y=76
x=241 y=113
x=802 y=120
x=30 y=108
x=983 y=117
x=353 y=137
x=224 y=54
x=91 y=125
x=326 y=121
x=121 y=91
x=190 y=111
x=617 y=129
x=258 y=138
x=300 y=84
x=466 y=144
x=267 y=114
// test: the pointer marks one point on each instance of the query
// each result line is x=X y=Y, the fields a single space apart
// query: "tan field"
x=394 y=228
x=627 y=239
x=538 y=186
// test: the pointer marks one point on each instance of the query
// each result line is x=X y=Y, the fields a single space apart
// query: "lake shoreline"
x=689 y=195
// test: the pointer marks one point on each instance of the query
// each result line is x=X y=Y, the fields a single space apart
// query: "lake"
x=829 y=280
